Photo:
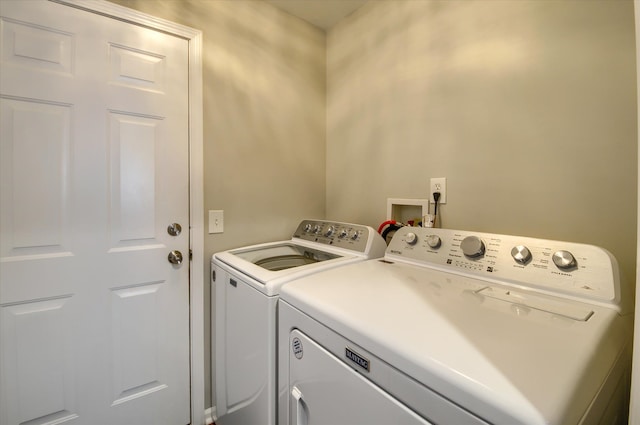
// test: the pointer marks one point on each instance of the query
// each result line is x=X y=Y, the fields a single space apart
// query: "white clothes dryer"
x=247 y=283
x=457 y=327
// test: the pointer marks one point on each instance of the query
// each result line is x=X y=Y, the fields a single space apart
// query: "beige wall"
x=528 y=108
x=264 y=120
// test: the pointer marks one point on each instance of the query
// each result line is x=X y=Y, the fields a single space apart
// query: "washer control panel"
x=578 y=270
x=353 y=237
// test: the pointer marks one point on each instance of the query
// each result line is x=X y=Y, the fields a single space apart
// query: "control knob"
x=434 y=241
x=472 y=246
x=521 y=254
x=564 y=260
x=330 y=231
x=307 y=227
x=343 y=234
x=317 y=229
x=411 y=238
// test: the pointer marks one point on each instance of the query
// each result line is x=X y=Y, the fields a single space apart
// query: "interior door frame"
x=196 y=180
x=634 y=411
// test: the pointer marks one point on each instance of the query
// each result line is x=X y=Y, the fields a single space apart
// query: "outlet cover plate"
x=438 y=184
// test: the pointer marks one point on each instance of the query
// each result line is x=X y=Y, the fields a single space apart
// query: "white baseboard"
x=210 y=415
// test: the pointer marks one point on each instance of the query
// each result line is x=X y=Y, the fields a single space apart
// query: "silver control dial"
x=411 y=238
x=343 y=234
x=330 y=231
x=434 y=241
x=307 y=227
x=564 y=260
x=317 y=229
x=472 y=246
x=355 y=236
x=521 y=254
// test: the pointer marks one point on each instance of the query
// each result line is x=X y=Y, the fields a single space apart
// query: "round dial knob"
x=472 y=246
x=355 y=236
x=343 y=234
x=330 y=231
x=434 y=241
x=307 y=227
x=564 y=260
x=317 y=229
x=521 y=254
x=411 y=238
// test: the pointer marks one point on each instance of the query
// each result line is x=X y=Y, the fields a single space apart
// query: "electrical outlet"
x=216 y=221
x=438 y=184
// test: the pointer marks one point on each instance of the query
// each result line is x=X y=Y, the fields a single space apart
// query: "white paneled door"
x=94 y=319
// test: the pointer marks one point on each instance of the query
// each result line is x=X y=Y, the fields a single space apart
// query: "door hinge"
x=190 y=255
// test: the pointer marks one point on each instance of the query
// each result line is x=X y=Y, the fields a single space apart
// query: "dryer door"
x=325 y=391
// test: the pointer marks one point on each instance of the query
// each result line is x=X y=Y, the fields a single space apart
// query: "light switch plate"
x=216 y=221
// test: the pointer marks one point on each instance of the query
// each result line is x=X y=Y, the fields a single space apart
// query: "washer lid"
x=282 y=256
x=268 y=266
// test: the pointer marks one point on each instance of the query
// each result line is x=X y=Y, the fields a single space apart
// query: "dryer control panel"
x=577 y=271
x=354 y=237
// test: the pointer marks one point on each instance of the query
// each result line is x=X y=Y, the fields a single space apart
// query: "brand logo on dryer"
x=357 y=359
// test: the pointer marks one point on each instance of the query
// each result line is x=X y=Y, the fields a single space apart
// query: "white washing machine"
x=247 y=282
x=457 y=327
